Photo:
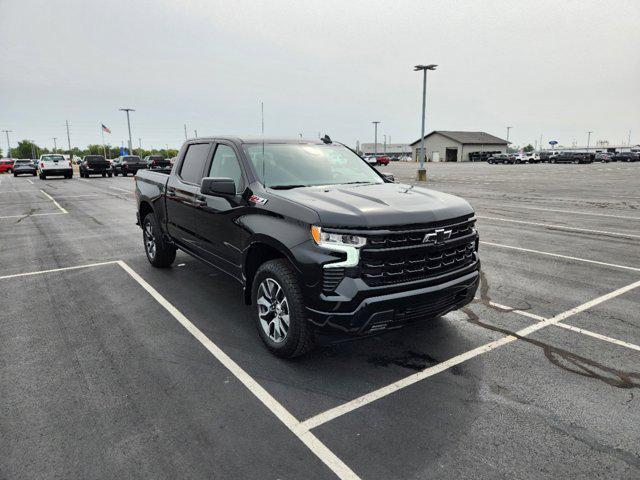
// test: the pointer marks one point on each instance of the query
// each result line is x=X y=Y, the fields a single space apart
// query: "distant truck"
x=157 y=162
x=95 y=165
x=128 y=164
x=52 y=164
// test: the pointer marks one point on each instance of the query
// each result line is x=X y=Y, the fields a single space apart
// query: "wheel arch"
x=261 y=250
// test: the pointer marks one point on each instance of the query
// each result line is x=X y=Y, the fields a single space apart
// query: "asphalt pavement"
x=115 y=369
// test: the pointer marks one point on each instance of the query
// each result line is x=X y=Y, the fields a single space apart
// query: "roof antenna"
x=326 y=139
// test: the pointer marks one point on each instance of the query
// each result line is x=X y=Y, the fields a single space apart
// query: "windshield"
x=295 y=165
x=51 y=158
x=23 y=162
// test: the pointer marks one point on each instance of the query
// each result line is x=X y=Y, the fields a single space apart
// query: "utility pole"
x=375 y=138
x=129 y=127
x=55 y=145
x=185 y=131
x=8 y=143
x=385 y=144
x=508 y=128
x=588 y=139
x=541 y=142
x=422 y=173
x=629 y=139
x=69 y=142
x=196 y=133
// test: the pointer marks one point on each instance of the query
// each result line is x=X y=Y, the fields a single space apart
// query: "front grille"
x=331 y=278
x=404 y=257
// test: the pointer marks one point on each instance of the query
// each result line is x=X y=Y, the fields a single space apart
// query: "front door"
x=220 y=238
x=181 y=194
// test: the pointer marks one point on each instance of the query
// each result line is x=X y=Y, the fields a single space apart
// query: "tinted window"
x=193 y=163
x=225 y=165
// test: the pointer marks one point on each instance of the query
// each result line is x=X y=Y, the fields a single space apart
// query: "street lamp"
x=375 y=138
x=55 y=145
x=508 y=128
x=129 y=127
x=588 y=139
x=422 y=173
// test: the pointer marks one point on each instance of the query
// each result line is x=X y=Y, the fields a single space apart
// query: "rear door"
x=182 y=189
x=221 y=239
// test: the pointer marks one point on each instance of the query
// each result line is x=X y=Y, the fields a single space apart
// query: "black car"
x=571 y=157
x=128 y=164
x=157 y=162
x=323 y=245
x=24 y=167
x=95 y=165
x=501 y=158
x=626 y=157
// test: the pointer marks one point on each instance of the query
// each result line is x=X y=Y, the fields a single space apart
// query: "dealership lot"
x=116 y=367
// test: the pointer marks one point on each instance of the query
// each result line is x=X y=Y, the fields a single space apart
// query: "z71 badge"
x=257 y=200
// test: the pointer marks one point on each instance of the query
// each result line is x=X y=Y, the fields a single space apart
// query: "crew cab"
x=95 y=165
x=571 y=157
x=157 y=162
x=22 y=167
x=52 y=164
x=324 y=246
x=127 y=164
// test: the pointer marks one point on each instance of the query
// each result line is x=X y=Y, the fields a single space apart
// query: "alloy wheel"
x=149 y=241
x=273 y=310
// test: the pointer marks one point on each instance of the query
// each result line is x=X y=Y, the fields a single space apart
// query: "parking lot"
x=111 y=368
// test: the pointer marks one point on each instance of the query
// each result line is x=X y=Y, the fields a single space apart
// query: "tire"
x=15 y=174
x=162 y=255
x=109 y=175
x=276 y=278
x=43 y=176
x=34 y=174
x=115 y=174
x=124 y=174
x=104 y=175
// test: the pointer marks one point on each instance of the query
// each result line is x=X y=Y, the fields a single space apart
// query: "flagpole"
x=104 y=148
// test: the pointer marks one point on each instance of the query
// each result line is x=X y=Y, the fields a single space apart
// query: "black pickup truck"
x=128 y=164
x=94 y=165
x=324 y=246
x=157 y=162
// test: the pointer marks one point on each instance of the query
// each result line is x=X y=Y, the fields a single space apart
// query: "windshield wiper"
x=287 y=187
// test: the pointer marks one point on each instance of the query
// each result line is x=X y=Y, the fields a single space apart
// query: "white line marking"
x=312 y=442
x=54 y=201
x=599 y=336
x=29 y=181
x=577 y=259
x=26 y=215
x=79 y=196
x=560 y=227
x=63 y=269
x=122 y=189
x=563 y=211
x=370 y=397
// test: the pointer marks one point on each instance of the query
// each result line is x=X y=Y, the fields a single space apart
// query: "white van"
x=54 y=164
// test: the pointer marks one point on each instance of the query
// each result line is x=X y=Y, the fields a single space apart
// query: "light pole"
x=55 y=145
x=385 y=144
x=8 y=143
x=508 y=128
x=375 y=138
x=422 y=173
x=129 y=127
x=588 y=139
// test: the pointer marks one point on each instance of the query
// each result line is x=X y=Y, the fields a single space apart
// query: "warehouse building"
x=450 y=146
x=390 y=149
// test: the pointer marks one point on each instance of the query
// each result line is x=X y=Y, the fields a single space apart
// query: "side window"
x=225 y=165
x=193 y=164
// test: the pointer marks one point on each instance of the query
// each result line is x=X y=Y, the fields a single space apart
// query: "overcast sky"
x=550 y=68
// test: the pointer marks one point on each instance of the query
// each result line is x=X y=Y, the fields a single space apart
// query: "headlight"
x=327 y=238
x=339 y=242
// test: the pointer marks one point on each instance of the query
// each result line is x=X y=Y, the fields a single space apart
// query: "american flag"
x=105 y=129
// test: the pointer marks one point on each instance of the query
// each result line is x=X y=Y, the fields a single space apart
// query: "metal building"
x=450 y=146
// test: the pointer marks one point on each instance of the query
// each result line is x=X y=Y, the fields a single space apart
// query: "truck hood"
x=381 y=205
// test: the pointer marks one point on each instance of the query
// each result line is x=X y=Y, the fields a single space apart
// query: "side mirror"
x=389 y=177
x=217 y=186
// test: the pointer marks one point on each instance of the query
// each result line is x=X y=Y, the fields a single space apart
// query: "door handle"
x=171 y=190
x=200 y=200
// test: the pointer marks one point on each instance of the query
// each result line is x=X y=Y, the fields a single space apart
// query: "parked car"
x=157 y=162
x=571 y=157
x=548 y=156
x=53 y=164
x=95 y=165
x=626 y=157
x=373 y=161
x=604 y=157
x=24 y=167
x=382 y=160
x=532 y=157
x=501 y=158
x=520 y=158
x=6 y=165
x=320 y=243
x=128 y=164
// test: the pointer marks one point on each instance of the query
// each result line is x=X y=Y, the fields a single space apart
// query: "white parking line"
x=567 y=257
x=122 y=189
x=368 y=398
x=54 y=201
x=599 y=336
x=63 y=269
x=29 y=181
x=561 y=227
x=311 y=441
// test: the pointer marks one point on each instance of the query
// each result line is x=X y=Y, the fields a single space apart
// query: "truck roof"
x=254 y=140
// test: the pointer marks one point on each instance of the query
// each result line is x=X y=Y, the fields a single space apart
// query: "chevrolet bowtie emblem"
x=437 y=237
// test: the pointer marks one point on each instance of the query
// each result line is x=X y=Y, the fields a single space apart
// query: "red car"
x=382 y=160
x=6 y=165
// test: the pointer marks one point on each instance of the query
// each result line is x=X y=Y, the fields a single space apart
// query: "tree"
x=528 y=148
x=25 y=149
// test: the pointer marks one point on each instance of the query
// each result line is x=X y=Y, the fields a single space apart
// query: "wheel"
x=34 y=174
x=124 y=174
x=104 y=175
x=43 y=176
x=15 y=174
x=279 y=310
x=159 y=253
x=110 y=175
